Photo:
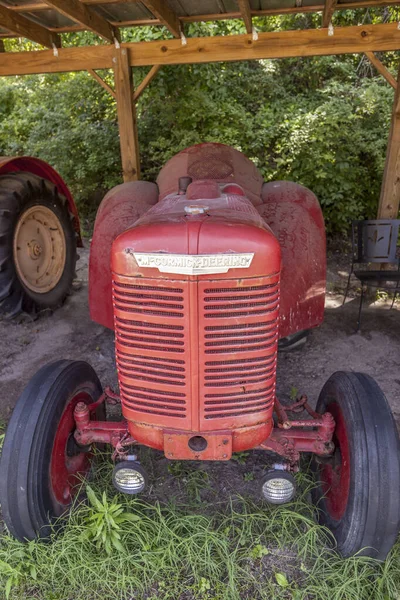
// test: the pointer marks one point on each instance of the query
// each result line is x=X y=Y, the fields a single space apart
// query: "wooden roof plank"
x=282 y=44
x=245 y=11
x=167 y=17
x=85 y=16
x=23 y=27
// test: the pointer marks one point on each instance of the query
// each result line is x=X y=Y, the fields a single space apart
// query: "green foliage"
x=238 y=549
x=103 y=522
x=20 y=569
x=320 y=121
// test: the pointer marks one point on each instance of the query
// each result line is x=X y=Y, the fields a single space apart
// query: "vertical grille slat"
x=150 y=349
x=235 y=339
x=236 y=387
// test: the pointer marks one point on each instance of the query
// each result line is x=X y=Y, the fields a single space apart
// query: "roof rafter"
x=86 y=16
x=167 y=16
x=23 y=27
x=329 y=9
x=245 y=11
x=380 y=67
x=143 y=85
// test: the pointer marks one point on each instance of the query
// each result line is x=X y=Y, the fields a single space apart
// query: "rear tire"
x=37 y=245
x=358 y=489
x=41 y=466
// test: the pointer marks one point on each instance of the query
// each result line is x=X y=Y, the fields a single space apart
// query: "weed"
x=249 y=476
x=176 y=468
x=240 y=457
x=195 y=482
x=103 y=522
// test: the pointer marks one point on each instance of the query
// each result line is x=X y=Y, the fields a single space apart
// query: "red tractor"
x=39 y=234
x=200 y=277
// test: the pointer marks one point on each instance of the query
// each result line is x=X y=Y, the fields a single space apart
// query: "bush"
x=320 y=121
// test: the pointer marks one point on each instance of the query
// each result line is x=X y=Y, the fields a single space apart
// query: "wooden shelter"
x=44 y=22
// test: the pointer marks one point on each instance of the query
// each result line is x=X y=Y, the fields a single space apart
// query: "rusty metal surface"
x=176 y=446
x=120 y=208
x=9 y=164
x=294 y=215
x=198 y=352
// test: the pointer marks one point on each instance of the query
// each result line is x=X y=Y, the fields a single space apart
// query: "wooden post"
x=389 y=201
x=126 y=115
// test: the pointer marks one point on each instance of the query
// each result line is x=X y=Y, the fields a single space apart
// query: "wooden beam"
x=2 y=48
x=282 y=44
x=23 y=27
x=143 y=85
x=380 y=67
x=102 y=82
x=161 y=11
x=244 y=7
x=329 y=9
x=389 y=201
x=126 y=115
x=85 y=16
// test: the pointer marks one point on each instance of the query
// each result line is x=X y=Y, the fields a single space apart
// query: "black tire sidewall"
x=28 y=504
x=368 y=525
x=19 y=192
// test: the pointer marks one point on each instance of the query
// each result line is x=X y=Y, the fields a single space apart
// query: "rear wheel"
x=41 y=465
x=37 y=244
x=358 y=489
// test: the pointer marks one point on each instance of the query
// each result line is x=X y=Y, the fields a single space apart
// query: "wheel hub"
x=35 y=249
x=68 y=460
x=39 y=249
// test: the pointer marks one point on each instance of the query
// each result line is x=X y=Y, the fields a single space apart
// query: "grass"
x=233 y=549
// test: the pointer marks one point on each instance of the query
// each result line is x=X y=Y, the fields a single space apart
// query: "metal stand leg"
x=360 y=309
x=347 y=288
x=394 y=295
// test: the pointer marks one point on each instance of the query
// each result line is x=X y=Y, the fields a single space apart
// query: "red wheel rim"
x=335 y=474
x=66 y=470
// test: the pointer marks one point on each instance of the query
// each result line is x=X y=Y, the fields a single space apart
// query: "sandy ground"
x=69 y=333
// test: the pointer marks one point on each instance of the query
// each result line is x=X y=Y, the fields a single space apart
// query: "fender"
x=9 y=164
x=120 y=209
x=295 y=217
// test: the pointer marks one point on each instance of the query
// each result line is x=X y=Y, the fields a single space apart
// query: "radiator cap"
x=196 y=209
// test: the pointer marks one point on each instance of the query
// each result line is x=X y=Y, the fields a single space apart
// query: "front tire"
x=37 y=245
x=41 y=466
x=358 y=489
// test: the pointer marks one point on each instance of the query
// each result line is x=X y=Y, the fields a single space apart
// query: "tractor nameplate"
x=193 y=264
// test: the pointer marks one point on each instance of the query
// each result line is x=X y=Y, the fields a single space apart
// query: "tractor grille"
x=150 y=349
x=238 y=349
x=196 y=352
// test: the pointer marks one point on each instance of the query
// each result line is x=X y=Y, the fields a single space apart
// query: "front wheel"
x=358 y=488
x=41 y=465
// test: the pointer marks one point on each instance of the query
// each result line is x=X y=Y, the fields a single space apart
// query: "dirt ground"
x=69 y=333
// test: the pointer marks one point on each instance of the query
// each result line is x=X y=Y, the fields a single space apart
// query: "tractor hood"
x=185 y=235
